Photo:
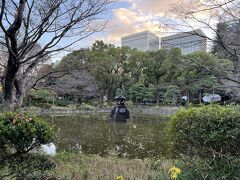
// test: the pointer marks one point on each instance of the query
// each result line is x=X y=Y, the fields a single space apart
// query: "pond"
x=143 y=136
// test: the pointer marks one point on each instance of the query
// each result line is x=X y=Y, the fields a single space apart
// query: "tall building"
x=188 y=42
x=143 y=41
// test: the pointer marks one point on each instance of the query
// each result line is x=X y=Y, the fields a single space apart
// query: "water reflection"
x=141 y=137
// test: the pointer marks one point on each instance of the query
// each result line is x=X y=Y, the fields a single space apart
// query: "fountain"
x=120 y=112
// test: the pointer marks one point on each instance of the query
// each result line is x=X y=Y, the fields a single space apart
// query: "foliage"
x=19 y=135
x=138 y=92
x=169 y=73
x=71 y=165
x=162 y=66
x=42 y=95
x=44 y=105
x=79 y=166
x=171 y=94
x=28 y=166
x=63 y=102
x=226 y=33
x=108 y=62
x=78 y=84
x=74 y=60
x=87 y=107
x=199 y=169
x=209 y=135
x=194 y=80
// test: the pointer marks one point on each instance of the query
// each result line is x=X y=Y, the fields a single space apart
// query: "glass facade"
x=188 y=42
x=143 y=41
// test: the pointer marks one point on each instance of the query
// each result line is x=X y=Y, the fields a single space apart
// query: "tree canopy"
x=161 y=76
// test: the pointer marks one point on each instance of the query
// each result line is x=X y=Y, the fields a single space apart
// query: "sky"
x=130 y=16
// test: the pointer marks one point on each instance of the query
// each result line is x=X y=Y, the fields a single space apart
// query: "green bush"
x=44 y=105
x=208 y=135
x=63 y=103
x=86 y=107
x=41 y=96
x=19 y=135
x=209 y=131
x=93 y=102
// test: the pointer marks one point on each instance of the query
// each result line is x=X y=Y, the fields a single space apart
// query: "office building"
x=188 y=42
x=143 y=41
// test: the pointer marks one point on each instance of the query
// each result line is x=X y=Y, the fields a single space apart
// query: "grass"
x=82 y=167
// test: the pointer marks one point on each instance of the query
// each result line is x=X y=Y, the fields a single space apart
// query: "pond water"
x=143 y=136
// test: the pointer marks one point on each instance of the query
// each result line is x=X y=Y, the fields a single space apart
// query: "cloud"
x=139 y=15
x=132 y=16
x=127 y=21
x=152 y=6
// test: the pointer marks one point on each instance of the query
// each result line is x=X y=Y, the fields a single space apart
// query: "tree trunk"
x=200 y=97
x=110 y=94
x=2 y=97
x=158 y=92
x=13 y=61
x=158 y=97
x=188 y=98
x=9 y=98
x=101 y=100
x=20 y=90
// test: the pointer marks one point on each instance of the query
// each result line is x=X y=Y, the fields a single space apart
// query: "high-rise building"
x=188 y=42
x=143 y=41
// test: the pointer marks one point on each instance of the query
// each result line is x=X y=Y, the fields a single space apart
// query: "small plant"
x=63 y=103
x=44 y=105
x=174 y=172
x=19 y=135
x=119 y=178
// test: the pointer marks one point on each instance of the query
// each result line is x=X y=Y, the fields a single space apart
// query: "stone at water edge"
x=48 y=149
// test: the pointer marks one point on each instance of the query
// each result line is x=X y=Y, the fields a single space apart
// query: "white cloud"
x=140 y=16
x=128 y=21
x=152 y=6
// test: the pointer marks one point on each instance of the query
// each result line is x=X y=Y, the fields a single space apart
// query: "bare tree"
x=76 y=84
x=209 y=15
x=33 y=30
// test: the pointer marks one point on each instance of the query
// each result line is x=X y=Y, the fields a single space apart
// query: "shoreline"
x=56 y=110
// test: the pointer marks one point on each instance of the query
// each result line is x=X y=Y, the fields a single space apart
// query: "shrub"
x=210 y=135
x=86 y=107
x=209 y=131
x=93 y=102
x=19 y=135
x=63 y=103
x=41 y=96
x=44 y=105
